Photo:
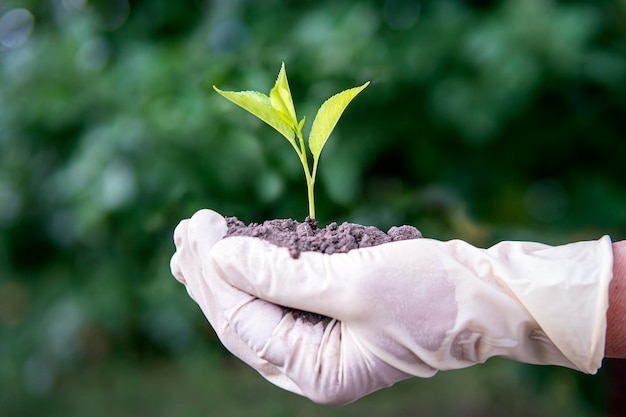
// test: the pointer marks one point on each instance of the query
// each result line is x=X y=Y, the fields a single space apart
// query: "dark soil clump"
x=308 y=237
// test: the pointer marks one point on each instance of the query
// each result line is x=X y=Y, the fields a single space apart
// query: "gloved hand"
x=402 y=309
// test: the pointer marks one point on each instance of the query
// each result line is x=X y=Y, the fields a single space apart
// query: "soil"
x=308 y=237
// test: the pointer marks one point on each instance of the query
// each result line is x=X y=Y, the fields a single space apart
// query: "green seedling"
x=278 y=111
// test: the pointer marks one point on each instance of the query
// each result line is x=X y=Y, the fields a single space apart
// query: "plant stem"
x=311 y=197
x=310 y=181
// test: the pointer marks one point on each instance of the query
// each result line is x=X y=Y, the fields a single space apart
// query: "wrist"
x=615 y=346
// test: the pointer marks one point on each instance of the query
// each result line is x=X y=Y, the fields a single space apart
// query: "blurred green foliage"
x=485 y=120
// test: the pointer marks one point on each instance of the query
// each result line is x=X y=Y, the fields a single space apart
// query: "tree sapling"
x=278 y=111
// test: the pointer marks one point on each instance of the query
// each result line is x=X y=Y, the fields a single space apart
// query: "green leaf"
x=280 y=97
x=327 y=117
x=301 y=125
x=260 y=105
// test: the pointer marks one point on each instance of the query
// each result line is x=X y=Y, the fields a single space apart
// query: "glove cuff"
x=570 y=301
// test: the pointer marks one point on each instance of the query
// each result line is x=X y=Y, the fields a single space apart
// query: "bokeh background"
x=485 y=120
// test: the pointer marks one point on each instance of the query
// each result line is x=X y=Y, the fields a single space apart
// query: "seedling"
x=278 y=111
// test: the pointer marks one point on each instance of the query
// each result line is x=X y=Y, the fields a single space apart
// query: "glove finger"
x=247 y=330
x=255 y=322
x=322 y=361
x=180 y=239
x=308 y=356
x=185 y=267
x=206 y=227
x=244 y=324
x=187 y=263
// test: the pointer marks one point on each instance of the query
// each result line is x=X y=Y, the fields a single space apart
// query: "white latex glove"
x=402 y=309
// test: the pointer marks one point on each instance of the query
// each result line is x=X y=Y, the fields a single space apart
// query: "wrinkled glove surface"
x=402 y=309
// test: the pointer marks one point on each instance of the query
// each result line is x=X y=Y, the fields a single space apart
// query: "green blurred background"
x=485 y=120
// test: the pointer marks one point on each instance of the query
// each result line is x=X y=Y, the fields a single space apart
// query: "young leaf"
x=327 y=117
x=301 y=125
x=280 y=97
x=260 y=105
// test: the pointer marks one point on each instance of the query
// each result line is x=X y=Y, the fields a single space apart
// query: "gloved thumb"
x=311 y=282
